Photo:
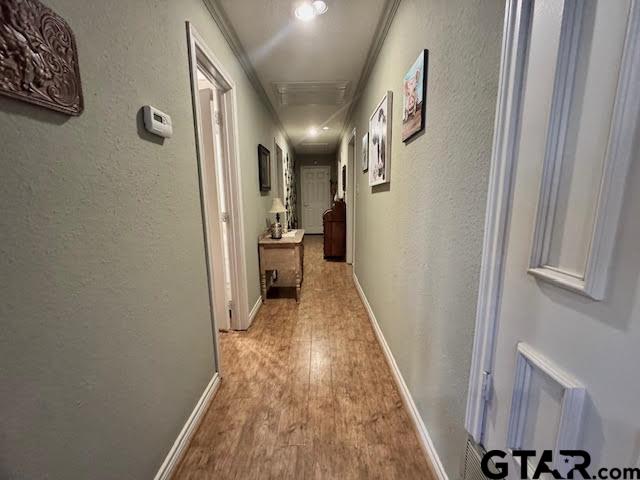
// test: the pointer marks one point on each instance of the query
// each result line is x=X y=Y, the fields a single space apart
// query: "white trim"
x=233 y=180
x=573 y=396
x=568 y=49
x=616 y=164
x=503 y=159
x=421 y=430
x=254 y=310
x=172 y=460
x=351 y=191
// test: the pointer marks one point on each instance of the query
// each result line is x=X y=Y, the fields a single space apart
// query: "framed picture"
x=264 y=168
x=414 y=96
x=380 y=141
x=365 y=152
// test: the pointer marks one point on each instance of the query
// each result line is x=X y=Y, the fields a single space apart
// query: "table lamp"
x=277 y=207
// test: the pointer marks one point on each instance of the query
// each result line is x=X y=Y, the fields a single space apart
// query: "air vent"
x=311 y=93
x=472 y=458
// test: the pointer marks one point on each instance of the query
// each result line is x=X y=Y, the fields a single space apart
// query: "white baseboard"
x=174 y=456
x=254 y=310
x=423 y=435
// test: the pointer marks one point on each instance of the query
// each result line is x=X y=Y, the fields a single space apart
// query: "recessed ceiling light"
x=325 y=128
x=305 y=12
x=308 y=10
x=319 y=6
x=313 y=132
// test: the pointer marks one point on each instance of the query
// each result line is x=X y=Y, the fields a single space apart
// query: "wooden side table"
x=286 y=256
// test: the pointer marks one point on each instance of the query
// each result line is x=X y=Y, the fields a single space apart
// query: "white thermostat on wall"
x=157 y=122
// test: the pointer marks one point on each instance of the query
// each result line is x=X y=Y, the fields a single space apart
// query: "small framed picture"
x=380 y=141
x=264 y=168
x=365 y=152
x=414 y=97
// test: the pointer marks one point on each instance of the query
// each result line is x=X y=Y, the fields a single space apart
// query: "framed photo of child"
x=380 y=141
x=414 y=97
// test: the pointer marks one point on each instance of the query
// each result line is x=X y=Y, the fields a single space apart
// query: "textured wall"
x=105 y=337
x=419 y=238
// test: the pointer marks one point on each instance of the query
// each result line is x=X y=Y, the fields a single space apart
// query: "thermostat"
x=157 y=122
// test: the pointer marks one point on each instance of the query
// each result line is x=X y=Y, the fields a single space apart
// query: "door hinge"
x=230 y=307
x=218 y=117
x=486 y=385
x=225 y=217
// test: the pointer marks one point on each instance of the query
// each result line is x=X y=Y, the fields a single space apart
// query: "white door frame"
x=515 y=40
x=503 y=161
x=309 y=167
x=351 y=199
x=201 y=56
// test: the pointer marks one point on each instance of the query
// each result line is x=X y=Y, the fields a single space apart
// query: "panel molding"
x=571 y=410
x=618 y=157
x=179 y=447
x=424 y=439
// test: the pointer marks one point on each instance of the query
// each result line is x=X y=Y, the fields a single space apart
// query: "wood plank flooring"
x=306 y=393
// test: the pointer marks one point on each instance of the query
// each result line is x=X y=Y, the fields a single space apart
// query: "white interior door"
x=213 y=151
x=315 y=196
x=565 y=349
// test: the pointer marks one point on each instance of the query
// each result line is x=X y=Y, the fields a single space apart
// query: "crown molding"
x=382 y=29
x=228 y=32
x=230 y=35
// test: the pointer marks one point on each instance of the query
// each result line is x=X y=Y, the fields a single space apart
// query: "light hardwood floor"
x=306 y=393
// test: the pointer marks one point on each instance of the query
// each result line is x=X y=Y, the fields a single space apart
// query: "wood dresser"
x=284 y=256
x=335 y=230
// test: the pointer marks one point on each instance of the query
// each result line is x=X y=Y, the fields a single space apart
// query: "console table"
x=284 y=256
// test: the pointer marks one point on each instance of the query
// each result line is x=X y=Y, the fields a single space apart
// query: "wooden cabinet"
x=334 y=222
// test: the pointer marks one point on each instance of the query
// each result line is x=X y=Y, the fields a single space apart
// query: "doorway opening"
x=350 y=197
x=214 y=105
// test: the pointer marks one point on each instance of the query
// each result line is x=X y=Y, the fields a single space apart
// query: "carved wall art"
x=38 y=57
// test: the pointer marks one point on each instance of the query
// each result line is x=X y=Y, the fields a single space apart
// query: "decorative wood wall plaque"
x=38 y=57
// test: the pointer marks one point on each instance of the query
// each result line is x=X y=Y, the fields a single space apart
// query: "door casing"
x=200 y=56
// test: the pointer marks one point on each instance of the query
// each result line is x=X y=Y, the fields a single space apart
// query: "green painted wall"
x=419 y=238
x=105 y=338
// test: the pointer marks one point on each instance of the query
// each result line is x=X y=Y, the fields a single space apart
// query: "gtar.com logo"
x=534 y=466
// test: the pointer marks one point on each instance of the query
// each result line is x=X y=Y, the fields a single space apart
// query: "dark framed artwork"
x=344 y=179
x=38 y=57
x=264 y=168
x=414 y=97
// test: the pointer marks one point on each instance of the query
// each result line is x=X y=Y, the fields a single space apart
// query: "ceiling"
x=309 y=70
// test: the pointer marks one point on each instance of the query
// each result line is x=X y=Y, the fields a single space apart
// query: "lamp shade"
x=277 y=206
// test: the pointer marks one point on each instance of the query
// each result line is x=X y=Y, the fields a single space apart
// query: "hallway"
x=306 y=393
